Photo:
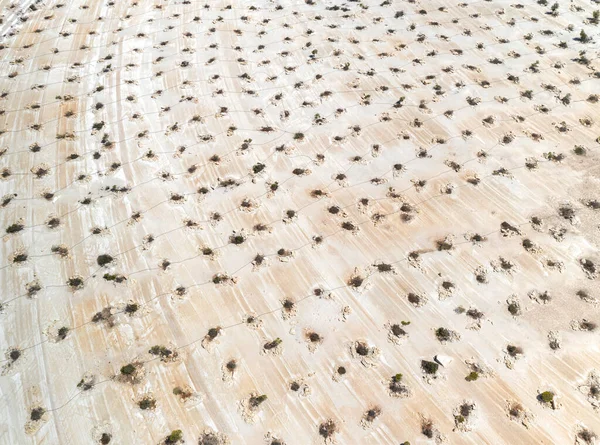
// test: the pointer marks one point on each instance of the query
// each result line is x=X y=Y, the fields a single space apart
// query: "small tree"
x=256 y=401
x=37 y=413
x=62 y=332
x=429 y=367
x=104 y=259
x=583 y=37
x=272 y=344
x=131 y=308
x=472 y=376
x=147 y=403
x=547 y=396
x=174 y=437
x=128 y=369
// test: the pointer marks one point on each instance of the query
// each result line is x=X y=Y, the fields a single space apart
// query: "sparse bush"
x=256 y=401
x=547 y=397
x=147 y=403
x=62 y=333
x=128 y=369
x=583 y=37
x=473 y=375
x=514 y=351
x=328 y=429
x=131 y=308
x=37 y=413
x=174 y=437
x=443 y=334
x=104 y=259
x=272 y=344
x=14 y=228
x=429 y=367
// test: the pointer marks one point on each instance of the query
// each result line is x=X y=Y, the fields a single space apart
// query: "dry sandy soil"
x=299 y=222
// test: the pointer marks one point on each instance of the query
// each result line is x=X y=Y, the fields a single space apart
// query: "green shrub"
x=62 y=332
x=104 y=259
x=147 y=403
x=255 y=401
x=128 y=369
x=443 y=334
x=131 y=308
x=583 y=37
x=273 y=344
x=547 y=397
x=14 y=228
x=472 y=376
x=37 y=413
x=429 y=367
x=174 y=437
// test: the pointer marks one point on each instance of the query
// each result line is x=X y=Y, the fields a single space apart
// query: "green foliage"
x=257 y=400
x=174 y=437
x=37 y=413
x=62 y=332
x=14 y=228
x=147 y=403
x=513 y=308
x=547 y=397
x=183 y=393
x=273 y=344
x=128 y=369
x=161 y=351
x=104 y=259
x=583 y=37
x=472 y=376
x=131 y=308
x=429 y=367
x=443 y=334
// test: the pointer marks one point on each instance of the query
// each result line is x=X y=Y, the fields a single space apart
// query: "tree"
x=174 y=437
x=255 y=401
x=547 y=397
x=473 y=375
x=128 y=369
x=583 y=37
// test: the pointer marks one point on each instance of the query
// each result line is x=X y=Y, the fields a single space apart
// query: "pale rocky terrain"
x=290 y=199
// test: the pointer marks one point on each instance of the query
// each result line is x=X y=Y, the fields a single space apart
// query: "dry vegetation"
x=299 y=221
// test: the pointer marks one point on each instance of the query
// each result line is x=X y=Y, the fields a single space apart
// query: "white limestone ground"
x=199 y=188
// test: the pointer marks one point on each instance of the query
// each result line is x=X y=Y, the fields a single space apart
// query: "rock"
x=443 y=360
